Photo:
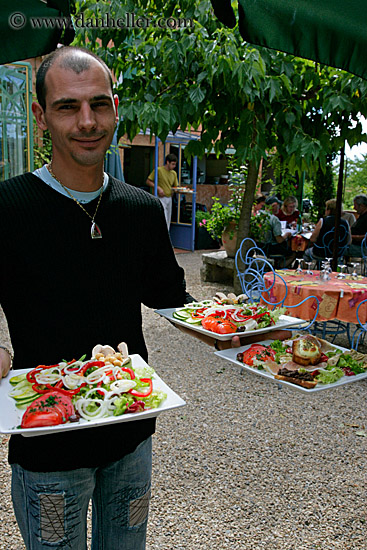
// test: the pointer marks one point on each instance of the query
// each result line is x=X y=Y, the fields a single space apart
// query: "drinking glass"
x=299 y=267
x=354 y=274
x=341 y=275
x=309 y=272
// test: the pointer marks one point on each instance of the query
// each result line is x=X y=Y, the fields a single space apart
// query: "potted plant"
x=222 y=222
x=203 y=240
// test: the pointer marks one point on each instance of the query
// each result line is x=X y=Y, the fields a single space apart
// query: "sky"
x=358 y=150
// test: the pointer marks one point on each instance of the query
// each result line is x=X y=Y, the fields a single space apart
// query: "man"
x=274 y=204
x=259 y=204
x=274 y=242
x=359 y=228
x=167 y=181
x=277 y=244
x=80 y=254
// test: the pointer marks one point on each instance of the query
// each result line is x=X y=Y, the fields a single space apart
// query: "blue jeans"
x=51 y=507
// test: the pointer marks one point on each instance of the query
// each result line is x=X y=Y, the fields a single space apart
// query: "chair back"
x=251 y=266
x=361 y=328
x=243 y=252
x=328 y=242
x=364 y=255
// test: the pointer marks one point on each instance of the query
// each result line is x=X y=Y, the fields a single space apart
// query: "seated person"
x=348 y=217
x=288 y=212
x=274 y=205
x=359 y=228
x=323 y=226
x=259 y=204
x=276 y=244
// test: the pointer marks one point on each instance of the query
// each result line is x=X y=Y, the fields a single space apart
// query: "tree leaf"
x=196 y=95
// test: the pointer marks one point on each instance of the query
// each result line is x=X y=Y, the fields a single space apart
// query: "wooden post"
x=339 y=199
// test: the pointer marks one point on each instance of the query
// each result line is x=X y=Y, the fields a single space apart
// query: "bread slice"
x=304 y=383
x=306 y=351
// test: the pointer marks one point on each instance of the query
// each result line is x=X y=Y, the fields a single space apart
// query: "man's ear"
x=116 y=103
x=39 y=115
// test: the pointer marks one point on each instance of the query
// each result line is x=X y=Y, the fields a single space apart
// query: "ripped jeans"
x=51 y=507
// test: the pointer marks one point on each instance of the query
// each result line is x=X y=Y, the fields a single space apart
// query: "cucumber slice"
x=20 y=389
x=182 y=315
x=23 y=393
x=191 y=321
x=16 y=379
x=27 y=399
x=24 y=404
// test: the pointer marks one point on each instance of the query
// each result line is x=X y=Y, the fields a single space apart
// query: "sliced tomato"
x=257 y=351
x=39 y=419
x=210 y=323
x=49 y=409
x=220 y=326
x=66 y=402
x=226 y=327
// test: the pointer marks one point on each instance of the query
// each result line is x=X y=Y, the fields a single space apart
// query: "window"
x=16 y=128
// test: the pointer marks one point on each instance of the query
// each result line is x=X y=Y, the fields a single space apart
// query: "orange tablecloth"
x=338 y=298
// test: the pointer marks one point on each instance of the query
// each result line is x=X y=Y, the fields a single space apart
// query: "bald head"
x=74 y=59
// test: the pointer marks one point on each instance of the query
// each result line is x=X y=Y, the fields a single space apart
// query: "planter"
x=204 y=241
x=228 y=243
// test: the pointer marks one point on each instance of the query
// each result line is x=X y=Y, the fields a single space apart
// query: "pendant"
x=95 y=231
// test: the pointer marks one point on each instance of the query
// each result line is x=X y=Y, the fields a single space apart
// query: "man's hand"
x=160 y=192
x=5 y=363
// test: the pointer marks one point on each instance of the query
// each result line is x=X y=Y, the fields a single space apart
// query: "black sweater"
x=63 y=293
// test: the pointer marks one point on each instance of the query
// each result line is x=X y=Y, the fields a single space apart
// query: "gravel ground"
x=247 y=464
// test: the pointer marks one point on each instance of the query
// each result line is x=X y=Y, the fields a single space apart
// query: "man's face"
x=359 y=208
x=79 y=114
x=274 y=208
x=259 y=206
x=171 y=165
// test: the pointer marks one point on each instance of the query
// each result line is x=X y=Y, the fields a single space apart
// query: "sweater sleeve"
x=165 y=280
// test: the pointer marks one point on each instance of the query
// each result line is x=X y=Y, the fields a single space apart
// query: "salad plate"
x=10 y=415
x=284 y=322
x=231 y=355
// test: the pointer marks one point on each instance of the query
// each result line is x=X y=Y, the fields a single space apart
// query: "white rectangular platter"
x=284 y=322
x=231 y=355
x=10 y=416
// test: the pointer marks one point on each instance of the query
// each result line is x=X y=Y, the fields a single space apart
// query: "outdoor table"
x=338 y=298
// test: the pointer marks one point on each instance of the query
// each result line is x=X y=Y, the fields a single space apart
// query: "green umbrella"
x=30 y=28
x=332 y=32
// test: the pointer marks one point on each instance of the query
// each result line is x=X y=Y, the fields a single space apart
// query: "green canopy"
x=20 y=37
x=332 y=32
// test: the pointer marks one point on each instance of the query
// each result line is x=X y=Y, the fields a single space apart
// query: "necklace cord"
x=49 y=168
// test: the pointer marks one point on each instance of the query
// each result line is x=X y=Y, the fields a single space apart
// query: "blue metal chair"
x=251 y=273
x=332 y=329
x=335 y=327
x=328 y=245
x=360 y=332
x=363 y=256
